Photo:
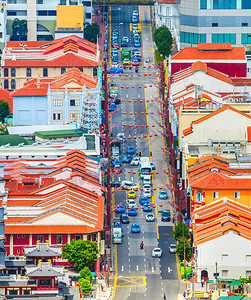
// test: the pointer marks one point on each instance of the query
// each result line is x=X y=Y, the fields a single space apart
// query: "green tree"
x=91 y=32
x=86 y=274
x=163 y=40
x=4 y=110
x=81 y=253
x=85 y=285
x=19 y=30
x=180 y=249
x=180 y=231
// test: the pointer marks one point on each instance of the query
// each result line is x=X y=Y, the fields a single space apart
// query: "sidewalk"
x=102 y=291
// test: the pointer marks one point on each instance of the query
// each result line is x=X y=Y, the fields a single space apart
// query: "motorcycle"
x=141 y=246
x=136 y=70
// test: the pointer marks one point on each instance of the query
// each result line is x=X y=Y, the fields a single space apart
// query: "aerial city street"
x=125 y=149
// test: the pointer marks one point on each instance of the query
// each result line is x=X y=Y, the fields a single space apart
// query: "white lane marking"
x=132 y=178
x=137 y=268
x=126 y=95
x=153 y=269
x=119 y=179
x=122 y=268
x=169 y=269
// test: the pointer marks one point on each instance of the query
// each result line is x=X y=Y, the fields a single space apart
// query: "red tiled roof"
x=249 y=134
x=222 y=109
x=211 y=51
x=5 y=95
x=241 y=81
x=199 y=66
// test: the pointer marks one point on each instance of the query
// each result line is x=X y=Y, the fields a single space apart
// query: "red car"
x=116 y=46
x=117 y=169
x=135 y=63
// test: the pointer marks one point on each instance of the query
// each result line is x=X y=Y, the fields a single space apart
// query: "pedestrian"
x=164 y=296
x=184 y=294
x=173 y=220
x=202 y=281
x=102 y=289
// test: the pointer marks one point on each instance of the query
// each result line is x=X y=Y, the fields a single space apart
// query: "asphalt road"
x=137 y=273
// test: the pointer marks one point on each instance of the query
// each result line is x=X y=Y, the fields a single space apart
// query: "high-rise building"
x=215 y=21
x=41 y=16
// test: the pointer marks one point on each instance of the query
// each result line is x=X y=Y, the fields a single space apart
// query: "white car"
x=173 y=248
x=135 y=161
x=147 y=193
x=131 y=203
x=127 y=185
x=149 y=217
x=146 y=187
x=157 y=252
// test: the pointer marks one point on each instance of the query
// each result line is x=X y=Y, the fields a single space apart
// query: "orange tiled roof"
x=211 y=51
x=217 y=218
x=37 y=87
x=222 y=109
x=218 y=181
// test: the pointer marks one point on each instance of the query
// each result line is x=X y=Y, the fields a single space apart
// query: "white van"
x=128 y=185
x=147 y=179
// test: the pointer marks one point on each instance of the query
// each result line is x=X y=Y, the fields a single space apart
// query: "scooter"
x=141 y=246
x=136 y=69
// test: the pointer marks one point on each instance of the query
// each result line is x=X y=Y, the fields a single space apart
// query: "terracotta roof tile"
x=211 y=51
x=249 y=134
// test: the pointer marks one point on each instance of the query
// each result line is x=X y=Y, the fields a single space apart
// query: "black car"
x=124 y=219
x=166 y=216
x=114 y=184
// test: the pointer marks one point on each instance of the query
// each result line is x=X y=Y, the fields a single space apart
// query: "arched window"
x=28 y=72
x=6 y=72
x=13 y=72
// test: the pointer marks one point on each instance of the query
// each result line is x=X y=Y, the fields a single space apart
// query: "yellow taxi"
x=126 y=61
x=131 y=194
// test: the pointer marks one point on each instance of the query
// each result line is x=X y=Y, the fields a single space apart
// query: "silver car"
x=173 y=248
x=157 y=252
x=135 y=161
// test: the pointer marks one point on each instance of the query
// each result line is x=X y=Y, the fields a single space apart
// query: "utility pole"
x=216 y=275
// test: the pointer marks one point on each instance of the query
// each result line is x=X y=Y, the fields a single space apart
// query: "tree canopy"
x=181 y=230
x=81 y=253
x=4 y=110
x=91 y=32
x=86 y=274
x=85 y=286
x=19 y=30
x=163 y=40
x=180 y=249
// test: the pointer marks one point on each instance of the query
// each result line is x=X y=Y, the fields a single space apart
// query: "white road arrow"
x=137 y=268
x=169 y=269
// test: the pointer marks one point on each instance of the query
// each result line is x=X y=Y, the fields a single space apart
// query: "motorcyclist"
x=136 y=69
x=141 y=245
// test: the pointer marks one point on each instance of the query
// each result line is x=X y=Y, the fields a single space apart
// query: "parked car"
x=124 y=219
x=116 y=162
x=115 y=59
x=120 y=209
x=149 y=217
x=162 y=195
x=173 y=248
x=135 y=228
x=157 y=252
x=114 y=184
x=166 y=216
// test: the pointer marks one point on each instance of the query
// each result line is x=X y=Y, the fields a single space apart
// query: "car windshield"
x=156 y=250
x=165 y=213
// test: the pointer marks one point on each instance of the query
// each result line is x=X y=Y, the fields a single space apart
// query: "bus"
x=144 y=166
x=126 y=53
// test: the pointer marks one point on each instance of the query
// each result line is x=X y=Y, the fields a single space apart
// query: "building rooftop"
x=45 y=269
x=209 y=52
x=42 y=250
x=60 y=133
x=12 y=140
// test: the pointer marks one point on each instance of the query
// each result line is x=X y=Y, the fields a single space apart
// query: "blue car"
x=112 y=107
x=116 y=162
x=162 y=195
x=130 y=150
x=120 y=209
x=152 y=165
x=132 y=212
x=127 y=159
x=115 y=70
x=137 y=57
x=117 y=225
x=137 y=43
x=143 y=200
x=135 y=228
x=147 y=207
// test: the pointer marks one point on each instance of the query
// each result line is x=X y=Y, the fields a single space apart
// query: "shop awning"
x=236 y=283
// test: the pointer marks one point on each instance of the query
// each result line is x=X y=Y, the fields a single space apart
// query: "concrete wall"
x=235 y=246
